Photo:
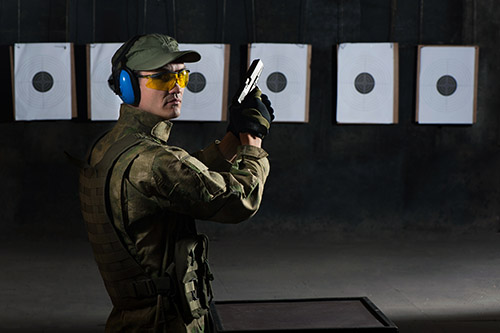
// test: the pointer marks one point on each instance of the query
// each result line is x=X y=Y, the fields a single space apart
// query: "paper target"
x=205 y=97
x=446 y=85
x=43 y=81
x=104 y=104
x=285 y=78
x=367 y=83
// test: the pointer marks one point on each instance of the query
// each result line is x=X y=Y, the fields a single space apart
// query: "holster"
x=193 y=277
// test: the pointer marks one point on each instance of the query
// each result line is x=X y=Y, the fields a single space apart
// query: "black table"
x=356 y=314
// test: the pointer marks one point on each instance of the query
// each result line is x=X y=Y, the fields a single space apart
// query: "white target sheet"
x=43 y=85
x=367 y=83
x=205 y=97
x=285 y=78
x=103 y=103
x=447 y=84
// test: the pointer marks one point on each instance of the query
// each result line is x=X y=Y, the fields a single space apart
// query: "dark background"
x=345 y=179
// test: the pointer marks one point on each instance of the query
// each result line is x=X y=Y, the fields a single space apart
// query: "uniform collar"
x=142 y=121
x=162 y=130
x=138 y=118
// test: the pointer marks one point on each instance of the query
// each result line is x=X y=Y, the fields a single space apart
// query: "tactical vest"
x=188 y=278
x=126 y=282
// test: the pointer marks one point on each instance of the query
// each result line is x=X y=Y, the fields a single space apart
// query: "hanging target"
x=367 y=83
x=285 y=78
x=43 y=81
x=447 y=80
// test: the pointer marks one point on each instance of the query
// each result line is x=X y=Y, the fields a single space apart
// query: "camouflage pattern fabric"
x=156 y=192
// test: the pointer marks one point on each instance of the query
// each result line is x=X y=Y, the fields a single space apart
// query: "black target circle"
x=43 y=81
x=364 y=83
x=276 y=82
x=446 y=85
x=197 y=82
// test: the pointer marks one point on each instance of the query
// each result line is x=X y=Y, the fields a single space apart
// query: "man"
x=140 y=196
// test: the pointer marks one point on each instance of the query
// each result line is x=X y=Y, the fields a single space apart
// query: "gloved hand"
x=254 y=115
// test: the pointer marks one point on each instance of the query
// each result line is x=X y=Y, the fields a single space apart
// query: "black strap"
x=146 y=287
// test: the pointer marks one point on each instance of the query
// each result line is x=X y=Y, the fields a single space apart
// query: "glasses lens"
x=166 y=80
x=183 y=78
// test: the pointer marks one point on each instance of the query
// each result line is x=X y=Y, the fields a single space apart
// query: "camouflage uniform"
x=155 y=193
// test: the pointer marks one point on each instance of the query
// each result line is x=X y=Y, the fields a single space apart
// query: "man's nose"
x=175 y=89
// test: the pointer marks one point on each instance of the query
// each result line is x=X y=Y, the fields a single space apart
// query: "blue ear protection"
x=123 y=81
x=129 y=87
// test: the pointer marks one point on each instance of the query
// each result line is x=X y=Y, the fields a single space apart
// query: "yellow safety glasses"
x=166 y=80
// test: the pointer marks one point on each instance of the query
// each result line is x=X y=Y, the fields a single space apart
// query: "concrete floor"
x=424 y=284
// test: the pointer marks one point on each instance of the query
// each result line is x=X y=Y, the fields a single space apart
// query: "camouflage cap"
x=153 y=51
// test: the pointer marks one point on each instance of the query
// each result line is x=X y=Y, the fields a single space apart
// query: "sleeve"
x=212 y=158
x=186 y=185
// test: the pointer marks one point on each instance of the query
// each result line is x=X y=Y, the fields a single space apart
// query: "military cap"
x=153 y=51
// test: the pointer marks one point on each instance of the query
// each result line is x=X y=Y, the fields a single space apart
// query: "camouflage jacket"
x=156 y=191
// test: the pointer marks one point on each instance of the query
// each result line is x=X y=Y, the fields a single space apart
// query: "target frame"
x=294 y=62
x=434 y=62
x=29 y=60
x=380 y=105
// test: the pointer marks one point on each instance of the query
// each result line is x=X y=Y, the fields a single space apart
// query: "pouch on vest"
x=193 y=277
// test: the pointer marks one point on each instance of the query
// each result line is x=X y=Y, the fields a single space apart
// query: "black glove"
x=254 y=115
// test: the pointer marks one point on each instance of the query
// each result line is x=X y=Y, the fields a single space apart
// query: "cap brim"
x=161 y=59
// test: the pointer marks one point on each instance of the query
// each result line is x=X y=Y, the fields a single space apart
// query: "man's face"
x=166 y=104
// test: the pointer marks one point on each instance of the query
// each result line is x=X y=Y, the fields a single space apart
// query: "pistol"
x=251 y=79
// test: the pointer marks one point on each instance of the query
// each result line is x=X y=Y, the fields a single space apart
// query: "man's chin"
x=175 y=112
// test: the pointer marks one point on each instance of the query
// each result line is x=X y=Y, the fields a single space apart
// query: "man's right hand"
x=253 y=116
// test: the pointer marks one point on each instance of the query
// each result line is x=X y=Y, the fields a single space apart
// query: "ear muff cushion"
x=129 y=87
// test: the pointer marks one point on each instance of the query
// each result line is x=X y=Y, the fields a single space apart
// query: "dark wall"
x=346 y=178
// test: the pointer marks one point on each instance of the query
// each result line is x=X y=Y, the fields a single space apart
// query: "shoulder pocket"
x=194 y=164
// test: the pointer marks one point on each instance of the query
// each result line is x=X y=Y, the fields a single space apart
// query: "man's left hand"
x=254 y=115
